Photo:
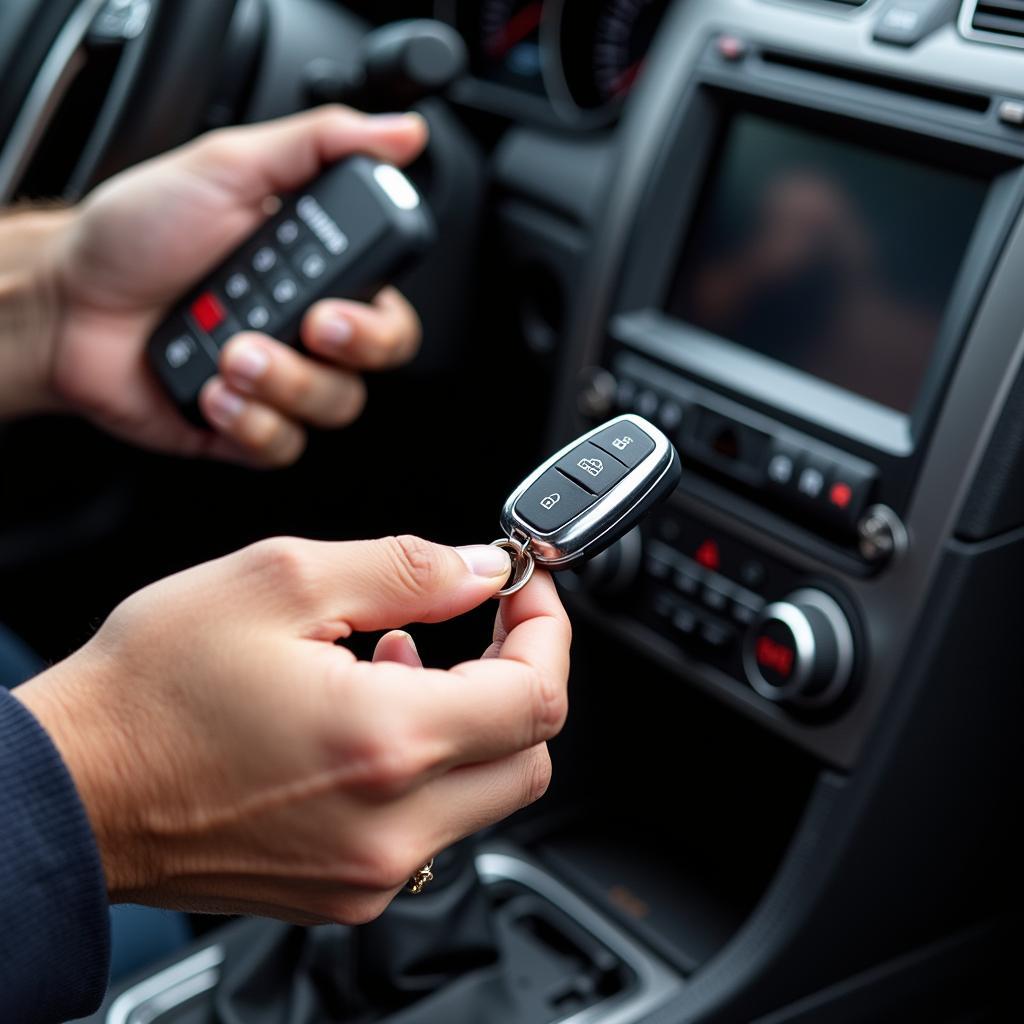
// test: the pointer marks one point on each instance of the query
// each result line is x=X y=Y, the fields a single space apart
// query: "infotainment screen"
x=829 y=255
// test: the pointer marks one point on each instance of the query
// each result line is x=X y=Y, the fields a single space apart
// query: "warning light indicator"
x=708 y=555
x=840 y=494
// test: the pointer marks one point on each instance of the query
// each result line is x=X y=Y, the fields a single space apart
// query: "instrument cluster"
x=579 y=59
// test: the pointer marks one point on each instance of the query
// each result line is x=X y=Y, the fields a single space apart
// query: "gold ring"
x=419 y=881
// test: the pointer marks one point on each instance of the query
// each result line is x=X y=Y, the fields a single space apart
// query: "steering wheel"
x=168 y=59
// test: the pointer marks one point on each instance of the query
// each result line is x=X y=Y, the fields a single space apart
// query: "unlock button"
x=593 y=469
x=552 y=502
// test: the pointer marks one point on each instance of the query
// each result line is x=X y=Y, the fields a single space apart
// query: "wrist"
x=31 y=310
x=68 y=701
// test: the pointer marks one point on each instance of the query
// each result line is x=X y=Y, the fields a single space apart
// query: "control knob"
x=800 y=651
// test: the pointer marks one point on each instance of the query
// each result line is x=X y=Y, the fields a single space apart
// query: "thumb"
x=398 y=580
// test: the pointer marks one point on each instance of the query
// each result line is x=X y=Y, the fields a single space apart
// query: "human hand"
x=232 y=758
x=145 y=237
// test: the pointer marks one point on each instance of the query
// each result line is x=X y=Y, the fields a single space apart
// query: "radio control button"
x=714 y=598
x=684 y=621
x=780 y=468
x=686 y=582
x=656 y=569
x=716 y=634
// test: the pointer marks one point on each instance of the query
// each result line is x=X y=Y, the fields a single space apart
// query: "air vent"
x=994 y=21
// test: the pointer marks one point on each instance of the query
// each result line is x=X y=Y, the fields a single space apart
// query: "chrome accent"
x=788 y=612
x=656 y=983
x=150 y=999
x=396 y=186
x=965 y=23
x=569 y=542
x=59 y=70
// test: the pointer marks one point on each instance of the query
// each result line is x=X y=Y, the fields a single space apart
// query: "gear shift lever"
x=420 y=945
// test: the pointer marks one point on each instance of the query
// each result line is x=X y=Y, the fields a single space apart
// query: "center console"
x=797 y=303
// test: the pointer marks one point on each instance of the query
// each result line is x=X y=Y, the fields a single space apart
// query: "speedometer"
x=503 y=37
x=603 y=47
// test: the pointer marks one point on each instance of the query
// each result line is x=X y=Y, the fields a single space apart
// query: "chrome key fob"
x=586 y=496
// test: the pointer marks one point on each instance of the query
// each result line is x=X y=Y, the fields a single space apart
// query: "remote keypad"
x=348 y=234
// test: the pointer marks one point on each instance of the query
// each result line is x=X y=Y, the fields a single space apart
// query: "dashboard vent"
x=995 y=21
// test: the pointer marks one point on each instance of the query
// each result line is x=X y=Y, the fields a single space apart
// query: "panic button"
x=208 y=312
x=775 y=653
x=625 y=442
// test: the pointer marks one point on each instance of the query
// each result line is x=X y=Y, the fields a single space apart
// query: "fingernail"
x=336 y=333
x=223 y=407
x=398 y=120
x=248 y=363
x=409 y=641
x=485 y=560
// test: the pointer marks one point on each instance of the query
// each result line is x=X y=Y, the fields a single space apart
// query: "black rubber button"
x=625 y=441
x=592 y=468
x=553 y=501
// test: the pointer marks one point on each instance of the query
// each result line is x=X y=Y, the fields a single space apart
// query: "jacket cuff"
x=55 y=940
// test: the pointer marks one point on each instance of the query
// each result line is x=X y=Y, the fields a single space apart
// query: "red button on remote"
x=208 y=312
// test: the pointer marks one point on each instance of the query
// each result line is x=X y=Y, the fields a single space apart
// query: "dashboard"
x=571 y=62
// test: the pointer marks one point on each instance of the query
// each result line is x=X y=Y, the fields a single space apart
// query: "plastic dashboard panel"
x=893 y=603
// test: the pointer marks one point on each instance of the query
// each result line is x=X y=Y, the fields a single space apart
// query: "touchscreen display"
x=830 y=256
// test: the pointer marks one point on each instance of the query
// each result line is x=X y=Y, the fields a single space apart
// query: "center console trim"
x=656 y=984
x=893 y=602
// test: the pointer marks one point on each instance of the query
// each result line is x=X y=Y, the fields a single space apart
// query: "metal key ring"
x=522 y=564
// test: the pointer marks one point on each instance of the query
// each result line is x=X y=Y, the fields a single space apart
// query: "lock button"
x=553 y=501
x=594 y=470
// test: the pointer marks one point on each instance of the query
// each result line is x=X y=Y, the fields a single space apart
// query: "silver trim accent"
x=965 y=25
x=900 y=537
x=569 y=542
x=156 y=995
x=789 y=613
x=656 y=983
x=64 y=61
x=396 y=186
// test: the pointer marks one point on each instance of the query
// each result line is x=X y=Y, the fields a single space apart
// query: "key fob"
x=347 y=234
x=585 y=497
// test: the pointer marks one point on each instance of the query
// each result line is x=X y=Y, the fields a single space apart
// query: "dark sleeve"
x=54 y=920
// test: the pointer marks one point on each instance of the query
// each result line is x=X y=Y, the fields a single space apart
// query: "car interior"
x=787 y=232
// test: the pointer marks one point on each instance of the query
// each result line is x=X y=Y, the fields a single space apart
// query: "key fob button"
x=237 y=286
x=264 y=260
x=288 y=232
x=553 y=501
x=284 y=290
x=592 y=468
x=626 y=442
x=312 y=264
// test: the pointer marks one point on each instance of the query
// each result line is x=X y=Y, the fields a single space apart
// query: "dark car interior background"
x=790 y=233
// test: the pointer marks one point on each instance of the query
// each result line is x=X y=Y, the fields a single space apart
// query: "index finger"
x=483 y=710
x=282 y=155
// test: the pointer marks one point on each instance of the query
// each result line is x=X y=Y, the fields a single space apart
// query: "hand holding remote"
x=142 y=240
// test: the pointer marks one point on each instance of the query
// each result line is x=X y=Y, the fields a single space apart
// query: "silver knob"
x=800 y=651
x=881 y=534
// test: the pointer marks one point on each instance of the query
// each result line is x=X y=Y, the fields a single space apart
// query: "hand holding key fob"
x=346 y=235
x=587 y=496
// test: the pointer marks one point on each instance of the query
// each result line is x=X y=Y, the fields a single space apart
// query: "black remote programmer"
x=346 y=235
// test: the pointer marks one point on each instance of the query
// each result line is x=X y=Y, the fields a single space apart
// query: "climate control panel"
x=793 y=640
